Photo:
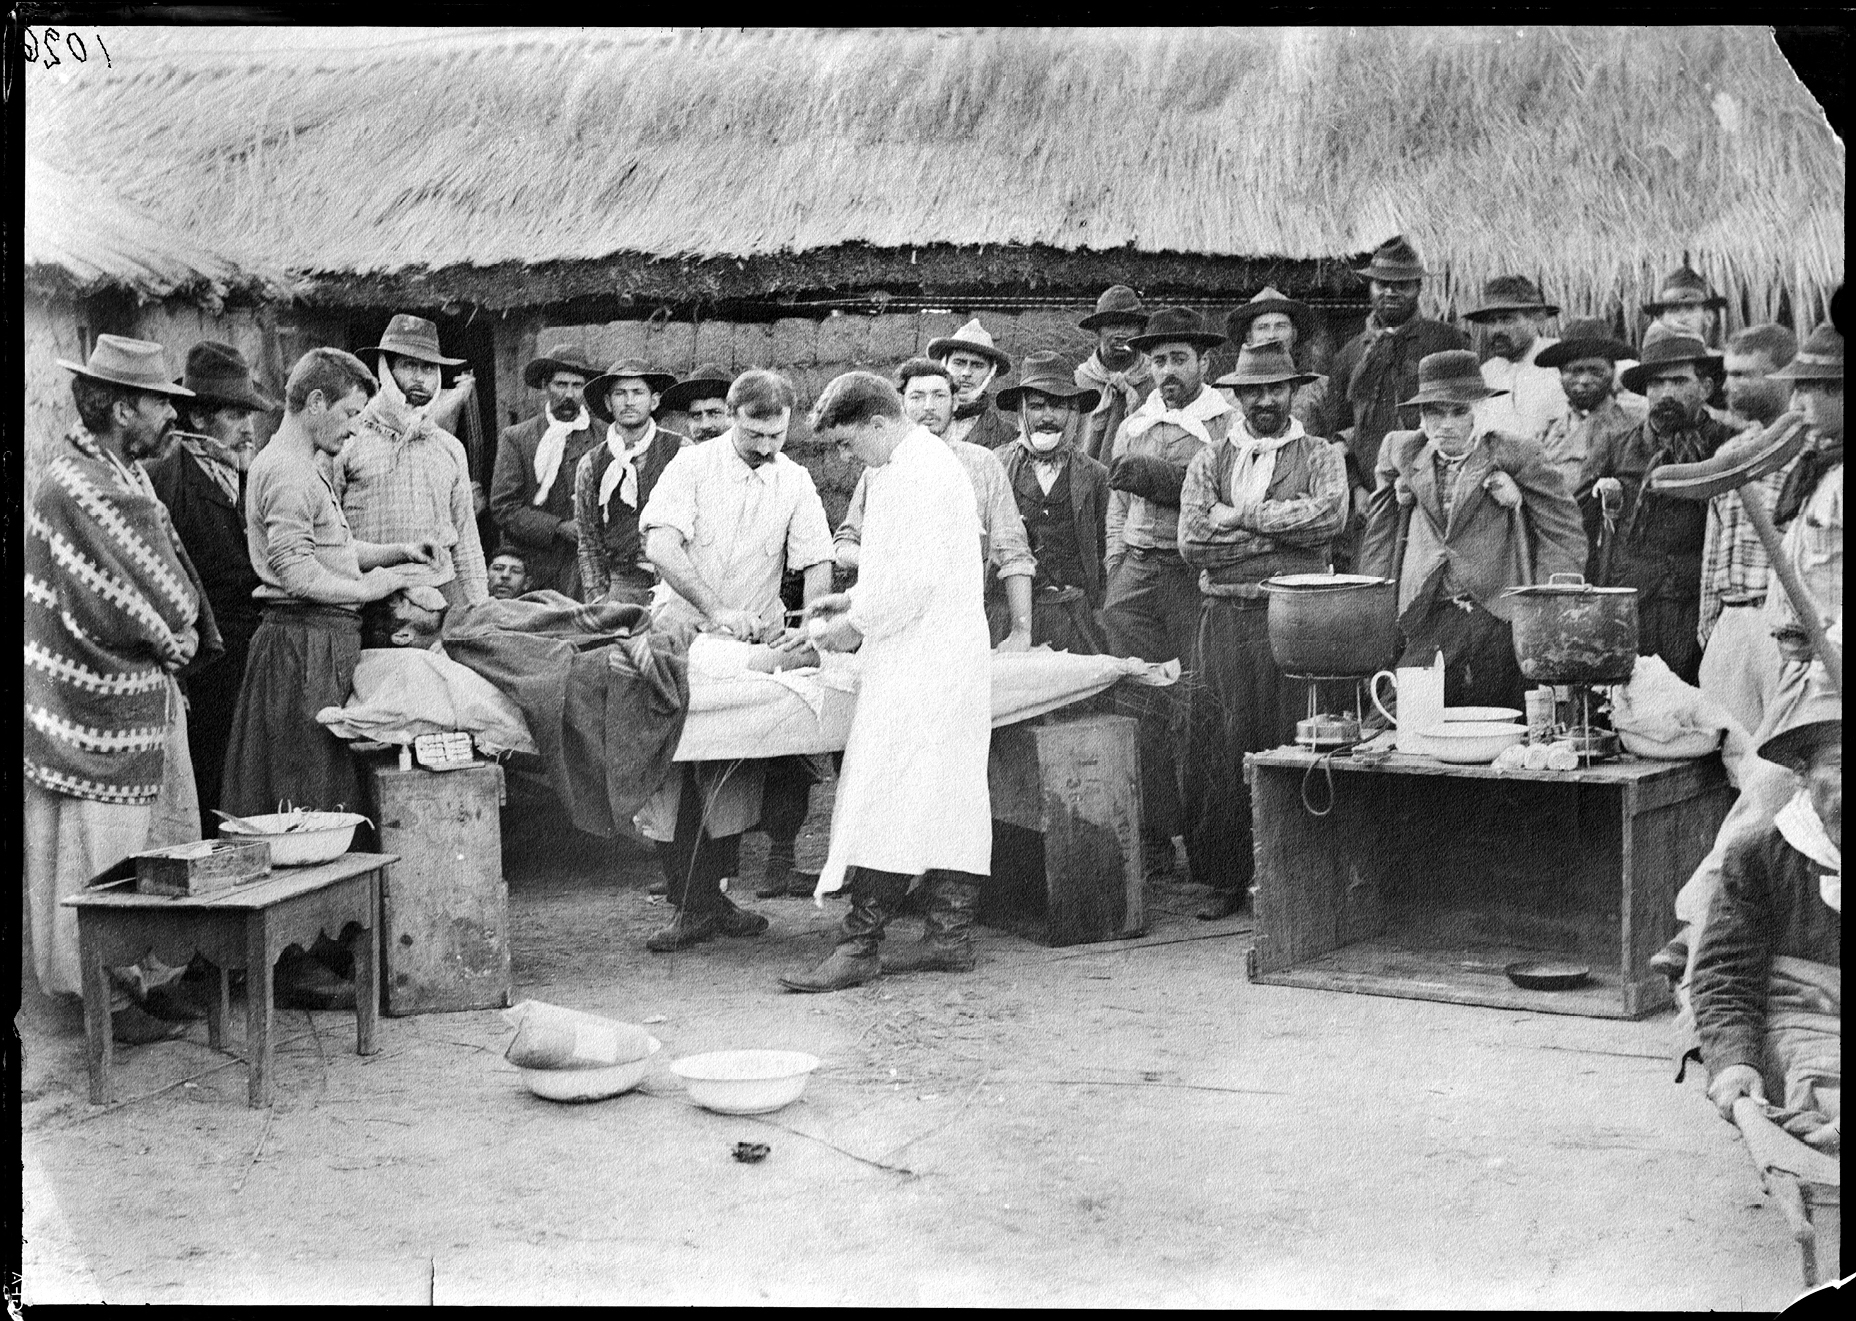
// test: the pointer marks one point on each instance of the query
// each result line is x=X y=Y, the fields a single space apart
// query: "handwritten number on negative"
x=75 y=46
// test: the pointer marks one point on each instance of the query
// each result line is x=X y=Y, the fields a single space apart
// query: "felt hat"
x=560 y=358
x=1510 y=293
x=1683 y=287
x=1268 y=363
x=412 y=337
x=1663 y=347
x=1237 y=324
x=1117 y=303
x=1819 y=358
x=600 y=386
x=218 y=373
x=1590 y=338
x=709 y=381
x=1176 y=325
x=971 y=338
x=1047 y=373
x=1395 y=259
x=1451 y=377
x=139 y=364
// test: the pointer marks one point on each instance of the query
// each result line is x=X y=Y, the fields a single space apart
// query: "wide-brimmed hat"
x=219 y=374
x=1237 y=324
x=1683 y=287
x=140 y=364
x=709 y=381
x=1395 y=259
x=1268 y=363
x=600 y=386
x=1510 y=293
x=971 y=338
x=1663 y=347
x=1047 y=373
x=1819 y=358
x=1117 y=303
x=560 y=358
x=412 y=337
x=1590 y=338
x=1451 y=377
x=1176 y=325
x=1793 y=747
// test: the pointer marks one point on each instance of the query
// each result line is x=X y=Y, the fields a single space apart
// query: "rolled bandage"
x=1561 y=757
x=1535 y=757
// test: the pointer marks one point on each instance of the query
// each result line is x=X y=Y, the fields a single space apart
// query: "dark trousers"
x=1152 y=612
x=785 y=798
x=1238 y=702
x=1480 y=668
x=695 y=862
x=302 y=659
x=212 y=701
x=1666 y=627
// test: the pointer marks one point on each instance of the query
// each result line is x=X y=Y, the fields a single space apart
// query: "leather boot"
x=734 y=921
x=855 y=960
x=698 y=900
x=774 y=881
x=947 y=932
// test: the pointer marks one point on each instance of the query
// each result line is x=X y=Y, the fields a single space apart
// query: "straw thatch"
x=1590 y=158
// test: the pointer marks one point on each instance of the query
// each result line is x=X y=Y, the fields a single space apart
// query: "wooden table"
x=247 y=927
x=1426 y=879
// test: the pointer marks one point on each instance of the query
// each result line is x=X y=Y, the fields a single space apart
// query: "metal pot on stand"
x=1570 y=632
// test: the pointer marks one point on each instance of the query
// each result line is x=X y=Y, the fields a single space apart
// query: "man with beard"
x=201 y=480
x=702 y=399
x=402 y=479
x=1152 y=605
x=1274 y=317
x=1116 y=371
x=532 y=494
x=1379 y=366
x=1587 y=361
x=928 y=402
x=1739 y=660
x=1266 y=502
x=973 y=362
x=113 y=612
x=1507 y=323
x=1642 y=540
x=725 y=521
x=614 y=481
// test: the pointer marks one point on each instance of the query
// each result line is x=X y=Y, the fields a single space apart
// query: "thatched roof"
x=1591 y=158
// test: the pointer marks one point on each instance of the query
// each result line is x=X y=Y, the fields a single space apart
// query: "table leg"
x=218 y=1007
x=97 y=1028
x=365 y=946
x=259 y=959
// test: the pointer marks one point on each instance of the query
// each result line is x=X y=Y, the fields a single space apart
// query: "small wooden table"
x=247 y=927
x=1425 y=879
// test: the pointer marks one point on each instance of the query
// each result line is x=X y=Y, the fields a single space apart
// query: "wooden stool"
x=248 y=927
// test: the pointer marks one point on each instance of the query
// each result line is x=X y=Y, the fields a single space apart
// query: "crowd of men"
x=185 y=595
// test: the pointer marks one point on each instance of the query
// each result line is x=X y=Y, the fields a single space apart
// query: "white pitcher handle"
x=1372 y=686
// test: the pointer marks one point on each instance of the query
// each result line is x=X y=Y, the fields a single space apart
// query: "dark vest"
x=1050 y=524
x=616 y=531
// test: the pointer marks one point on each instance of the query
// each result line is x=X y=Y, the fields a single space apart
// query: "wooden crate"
x=201 y=867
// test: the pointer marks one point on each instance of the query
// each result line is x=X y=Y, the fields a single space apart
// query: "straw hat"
x=600 y=386
x=1665 y=348
x=1393 y=260
x=1117 y=303
x=1451 y=377
x=1237 y=324
x=1590 y=338
x=971 y=338
x=219 y=374
x=1683 y=287
x=1176 y=325
x=412 y=337
x=1510 y=293
x=709 y=381
x=139 y=364
x=1268 y=363
x=1047 y=373
x=560 y=358
x=1820 y=358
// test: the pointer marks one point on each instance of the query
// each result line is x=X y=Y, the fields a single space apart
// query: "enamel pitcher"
x=1418 y=693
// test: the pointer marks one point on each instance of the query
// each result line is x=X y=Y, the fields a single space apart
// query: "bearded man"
x=701 y=398
x=1272 y=317
x=1116 y=371
x=974 y=362
x=1265 y=502
x=1647 y=541
x=614 y=481
x=1507 y=324
x=1586 y=360
x=532 y=494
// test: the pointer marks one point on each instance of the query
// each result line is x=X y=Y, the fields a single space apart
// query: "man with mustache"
x=532 y=493
x=1686 y=304
x=1265 y=502
x=1152 y=605
x=1642 y=540
x=1586 y=360
x=1274 y=317
x=702 y=399
x=1116 y=371
x=1507 y=323
x=401 y=478
x=113 y=612
x=974 y=362
x=615 y=479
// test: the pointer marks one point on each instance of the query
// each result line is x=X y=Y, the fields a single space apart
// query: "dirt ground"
x=1131 y=1124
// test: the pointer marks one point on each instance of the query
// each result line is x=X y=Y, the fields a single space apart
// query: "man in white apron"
x=912 y=797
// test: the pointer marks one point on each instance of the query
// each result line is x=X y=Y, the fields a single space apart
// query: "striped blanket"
x=112 y=608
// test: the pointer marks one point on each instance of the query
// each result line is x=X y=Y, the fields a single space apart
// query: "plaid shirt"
x=405 y=489
x=1733 y=558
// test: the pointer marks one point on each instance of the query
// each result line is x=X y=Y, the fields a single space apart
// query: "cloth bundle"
x=550 y=1037
x=1657 y=715
x=403 y=692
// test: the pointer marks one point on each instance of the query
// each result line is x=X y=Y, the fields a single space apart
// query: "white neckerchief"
x=621 y=474
x=401 y=418
x=1255 y=467
x=548 y=453
x=1798 y=822
x=1191 y=419
x=1046 y=464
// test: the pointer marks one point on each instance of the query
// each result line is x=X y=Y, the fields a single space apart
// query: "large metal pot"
x=1568 y=631
x=1339 y=624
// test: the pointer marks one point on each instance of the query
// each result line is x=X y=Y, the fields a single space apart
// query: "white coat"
x=912 y=796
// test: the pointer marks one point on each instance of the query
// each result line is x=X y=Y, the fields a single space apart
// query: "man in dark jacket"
x=201 y=480
x=974 y=362
x=532 y=494
x=1117 y=371
x=615 y=479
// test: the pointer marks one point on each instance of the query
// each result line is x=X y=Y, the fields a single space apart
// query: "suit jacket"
x=1475 y=545
x=533 y=529
x=1088 y=507
x=1368 y=381
x=212 y=529
x=991 y=428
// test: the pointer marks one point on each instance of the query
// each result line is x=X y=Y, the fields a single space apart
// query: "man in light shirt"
x=1507 y=326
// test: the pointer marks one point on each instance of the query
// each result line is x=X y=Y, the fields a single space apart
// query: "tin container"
x=1542 y=711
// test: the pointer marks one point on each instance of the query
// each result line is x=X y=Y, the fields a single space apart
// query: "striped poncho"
x=111 y=610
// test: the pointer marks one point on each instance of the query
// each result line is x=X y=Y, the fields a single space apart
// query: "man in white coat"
x=912 y=797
